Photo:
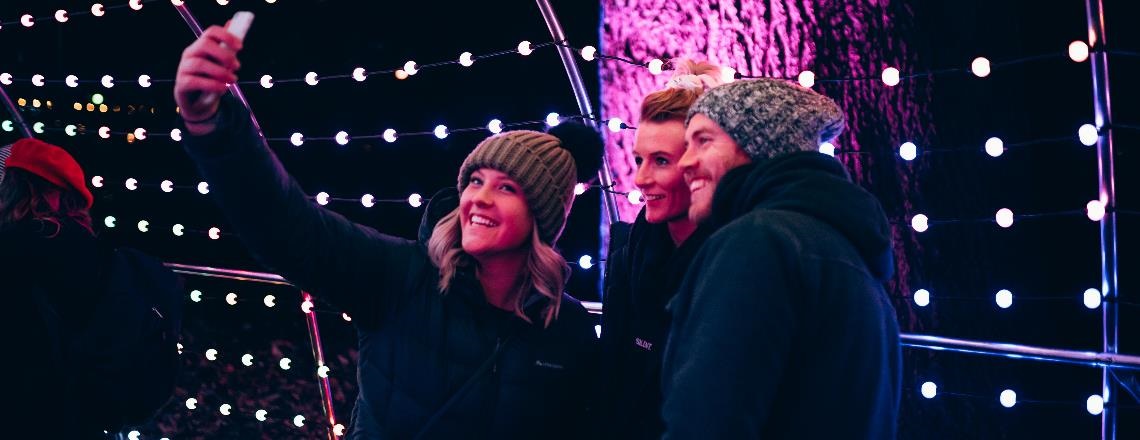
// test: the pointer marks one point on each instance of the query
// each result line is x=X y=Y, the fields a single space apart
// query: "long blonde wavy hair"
x=546 y=271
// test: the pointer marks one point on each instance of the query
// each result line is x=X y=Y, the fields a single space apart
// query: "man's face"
x=710 y=153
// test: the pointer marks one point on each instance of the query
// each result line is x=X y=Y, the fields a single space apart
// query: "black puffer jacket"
x=417 y=346
x=643 y=272
x=782 y=328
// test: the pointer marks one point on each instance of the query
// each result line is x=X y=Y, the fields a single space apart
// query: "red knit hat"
x=50 y=162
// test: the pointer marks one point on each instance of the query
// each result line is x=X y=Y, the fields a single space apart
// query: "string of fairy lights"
x=890 y=76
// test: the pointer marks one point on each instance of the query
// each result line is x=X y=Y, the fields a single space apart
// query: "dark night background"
x=1047 y=262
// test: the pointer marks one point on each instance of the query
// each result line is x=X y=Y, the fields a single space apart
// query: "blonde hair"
x=689 y=82
x=546 y=271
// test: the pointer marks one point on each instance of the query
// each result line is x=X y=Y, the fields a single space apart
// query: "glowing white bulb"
x=284 y=363
x=7 y=125
x=1088 y=134
x=266 y=81
x=615 y=124
x=38 y=80
x=97 y=10
x=108 y=81
x=269 y=300
x=415 y=200
x=580 y=188
x=223 y=2
x=908 y=151
x=891 y=76
x=589 y=52
x=247 y=360
x=929 y=390
x=465 y=59
x=411 y=68
x=140 y=134
x=1078 y=51
x=176 y=135
x=27 y=20
x=1095 y=210
x=299 y=421
x=70 y=129
x=177 y=2
x=167 y=186
x=995 y=147
x=440 y=131
x=323 y=371
x=655 y=66
x=191 y=403
x=1004 y=298
x=322 y=198
x=552 y=119
x=225 y=409
x=136 y=4
x=109 y=221
x=598 y=331
x=307 y=306
x=342 y=137
x=807 y=79
x=97 y=181
x=144 y=80
x=214 y=233
x=178 y=230
x=1008 y=398
x=231 y=299
x=61 y=16
x=359 y=74
x=586 y=262
x=495 y=126
x=212 y=354
x=311 y=78
x=980 y=67
x=132 y=184
x=1092 y=298
x=922 y=297
x=297 y=139
x=71 y=81
x=345 y=317
x=144 y=226
x=338 y=430
x=38 y=127
x=401 y=74
x=6 y=78
x=203 y=188
x=368 y=201
x=179 y=345
x=827 y=148
x=524 y=48
x=1004 y=217
x=1095 y=404
x=634 y=197
x=727 y=75
x=260 y=415
x=196 y=295
x=390 y=135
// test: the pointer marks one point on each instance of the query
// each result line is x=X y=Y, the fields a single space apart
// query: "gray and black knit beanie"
x=769 y=117
x=540 y=165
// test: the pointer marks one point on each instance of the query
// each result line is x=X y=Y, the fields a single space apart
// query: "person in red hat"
x=57 y=278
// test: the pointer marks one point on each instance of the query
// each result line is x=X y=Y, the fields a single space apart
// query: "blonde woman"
x=466 y=334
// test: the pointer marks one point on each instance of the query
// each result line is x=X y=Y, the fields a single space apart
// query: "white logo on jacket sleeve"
x=544 y=364
x=648 y=346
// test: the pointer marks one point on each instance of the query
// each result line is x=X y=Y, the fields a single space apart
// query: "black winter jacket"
x=782 y=328
x=643 y=272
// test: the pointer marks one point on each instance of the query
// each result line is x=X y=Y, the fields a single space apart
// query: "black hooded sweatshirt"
x=782 y=327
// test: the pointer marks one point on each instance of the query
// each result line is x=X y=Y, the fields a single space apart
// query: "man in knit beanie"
x=782 y=318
